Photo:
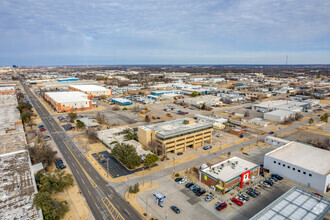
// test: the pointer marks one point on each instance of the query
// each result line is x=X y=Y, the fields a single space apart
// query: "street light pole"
x=107 y=166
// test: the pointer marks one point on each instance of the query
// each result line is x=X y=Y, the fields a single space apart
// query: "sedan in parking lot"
x=251 y=193
x=175 y=209
x=188 y=185
x=221 y=206
x=209 y=198
x=183 y=181
x=200 y=192
x=277 y=176
x=237 y=201
x=43 y=129
x=178 y=179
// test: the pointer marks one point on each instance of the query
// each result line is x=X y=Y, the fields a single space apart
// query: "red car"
x=43 y=129
x=221 y=206
x=237 y=201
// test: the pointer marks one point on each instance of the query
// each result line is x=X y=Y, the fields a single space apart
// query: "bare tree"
x=147 y=119
x=115 y=108
x=100 y=118
x=92 y=135
x=153 y=147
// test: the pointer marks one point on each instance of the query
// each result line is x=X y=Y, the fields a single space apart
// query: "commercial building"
x=278 y=115
x=68 y=101
x=296 y=203
x=176 y=135
x=91 y=90
x=10 y=119
x=117 y=135
x=17 y=187
x=276 y=141
x=301 y=163
x=268 y=105
x=228 y=174
x=7 y=90
x=209 y=100
x=159 y=93
x=121 y=101
x=67 y=79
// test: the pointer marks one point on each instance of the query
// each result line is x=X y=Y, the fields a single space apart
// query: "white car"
x=264 y=184
x=219 y=135
x=183 y=181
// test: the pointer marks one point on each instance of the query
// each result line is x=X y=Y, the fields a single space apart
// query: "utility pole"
x=173 y=166
x=107 y=166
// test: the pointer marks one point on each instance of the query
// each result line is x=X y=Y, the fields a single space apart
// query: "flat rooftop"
x=176 y=127
x=224 y=170
x=90 y=88
x=296 y=203
x=7 y=89
x=17 y=187
x=281 y=113
x=10 y=118
x=121 y=100
x=63 y=97
x=304 y=156
x=271 y=104
x=11 y=142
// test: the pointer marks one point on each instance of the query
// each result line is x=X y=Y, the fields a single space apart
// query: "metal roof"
x=296 y=203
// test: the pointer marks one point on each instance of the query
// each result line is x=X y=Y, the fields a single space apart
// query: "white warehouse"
x=301 y=163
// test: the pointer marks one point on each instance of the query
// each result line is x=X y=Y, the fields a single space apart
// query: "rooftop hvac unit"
x=236 y=162
x=222 y=165
x=246 y=168
x=228 y=161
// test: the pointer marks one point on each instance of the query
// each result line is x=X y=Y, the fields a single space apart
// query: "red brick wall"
x=210 y=181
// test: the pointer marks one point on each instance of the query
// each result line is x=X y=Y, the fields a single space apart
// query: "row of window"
x=292 y=168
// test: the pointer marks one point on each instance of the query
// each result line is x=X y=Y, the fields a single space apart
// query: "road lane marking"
x=107 y=203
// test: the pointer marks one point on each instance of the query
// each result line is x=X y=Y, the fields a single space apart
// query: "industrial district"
x=165 y=142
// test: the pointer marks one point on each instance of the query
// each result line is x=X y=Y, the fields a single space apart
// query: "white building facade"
x=301 y=163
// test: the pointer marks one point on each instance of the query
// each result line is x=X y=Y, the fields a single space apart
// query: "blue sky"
x=89 y=32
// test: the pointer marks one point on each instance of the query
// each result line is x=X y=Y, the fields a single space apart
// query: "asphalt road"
x=103 y=201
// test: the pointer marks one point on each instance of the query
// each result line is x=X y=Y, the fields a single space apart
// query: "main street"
x=102 y=199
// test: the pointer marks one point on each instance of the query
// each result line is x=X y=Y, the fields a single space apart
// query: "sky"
x=115 y=32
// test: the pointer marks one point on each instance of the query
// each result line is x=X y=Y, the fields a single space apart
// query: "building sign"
x=245 y=177
x=205 y=177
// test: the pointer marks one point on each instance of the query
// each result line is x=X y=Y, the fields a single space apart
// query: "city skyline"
x=166 y=32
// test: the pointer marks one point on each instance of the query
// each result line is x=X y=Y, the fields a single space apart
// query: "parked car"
x=207 y=147
x=193 y=187
x=245 y=197
x=219 y=135
x=180 y=153
x=43 y=129
x=251 y=193
x=40 y=126
x=183 y=181
x=263 y=183
x=237 y=201
x=221 y=206
x=196 y=189
x=178 y=179
x=200 y=192
x=272 y=132
x=277 y=176
x=269 y=182
x=47 y=138
x=188 y=185
x=240 y=199
x=175 y=209
x=209 y=198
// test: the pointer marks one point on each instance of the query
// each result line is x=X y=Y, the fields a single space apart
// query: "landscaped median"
x=131 y=197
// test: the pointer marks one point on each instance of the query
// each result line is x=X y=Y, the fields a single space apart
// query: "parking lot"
x=191 y=205
x=112 y=166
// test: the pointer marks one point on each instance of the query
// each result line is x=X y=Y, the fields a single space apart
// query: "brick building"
x=228 y=174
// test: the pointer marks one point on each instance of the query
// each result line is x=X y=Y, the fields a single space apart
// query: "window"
x=304 y=172
x=274 y=161
x=298 y=171
x=310 y=174
x=294 y=168
x=288 y=167
x=283 y=165
x=279 y=163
